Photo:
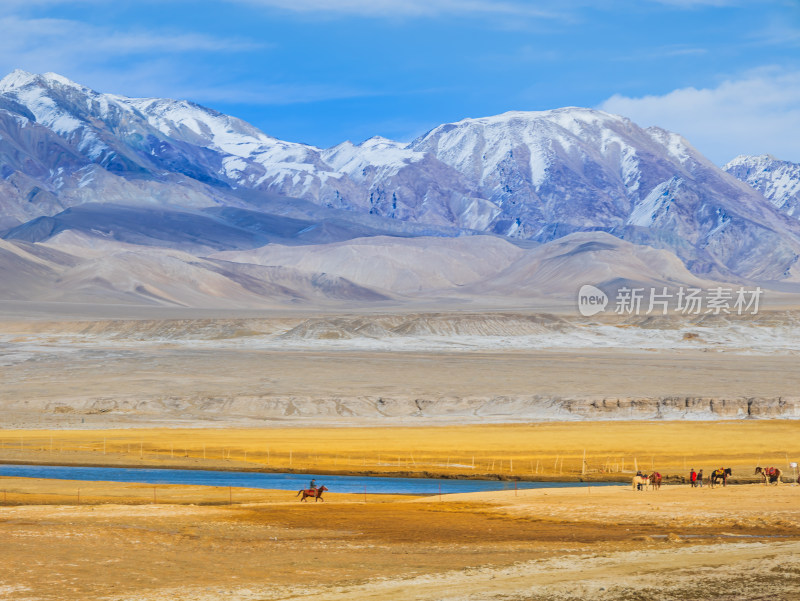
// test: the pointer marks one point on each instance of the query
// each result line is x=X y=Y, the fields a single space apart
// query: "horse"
x=312 y=492
x=770 y=474
x=655 y=480
x=720 y=474
x=641 y=482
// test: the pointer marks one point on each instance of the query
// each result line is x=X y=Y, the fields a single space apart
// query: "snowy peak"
x=675 y=144
x=778 y=181
x=745 y=160
x=36 y=93
x=570 y=118
x=146 y=134
x=179 y=119
x=19 y=79
x=381 y=143
x=193 y=123
x=376 y=152
x=16 y=79
x=528 y=146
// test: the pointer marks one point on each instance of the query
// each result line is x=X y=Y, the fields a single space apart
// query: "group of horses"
x=645 y=481
x=771 y=475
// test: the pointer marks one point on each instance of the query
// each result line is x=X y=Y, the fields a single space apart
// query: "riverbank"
x=27 y=458
x=554 y=451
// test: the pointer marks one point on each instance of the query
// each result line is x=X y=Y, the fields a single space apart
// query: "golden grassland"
x=540 y=450
x=547 y=544
x=16 y=491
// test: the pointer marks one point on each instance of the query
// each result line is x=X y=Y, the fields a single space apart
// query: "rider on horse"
x=313 y=485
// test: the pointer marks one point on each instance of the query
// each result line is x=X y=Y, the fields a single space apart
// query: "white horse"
x=641 y=482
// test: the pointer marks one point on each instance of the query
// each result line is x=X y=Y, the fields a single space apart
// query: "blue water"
x=343 y=484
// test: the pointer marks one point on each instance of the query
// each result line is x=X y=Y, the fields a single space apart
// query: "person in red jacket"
x=693 y=478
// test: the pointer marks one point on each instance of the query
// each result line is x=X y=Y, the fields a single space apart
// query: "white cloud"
x=406 y=8
x=60 y=44
x=699 y=3
x=756 y=114
x=280 y=93
x=134 y=62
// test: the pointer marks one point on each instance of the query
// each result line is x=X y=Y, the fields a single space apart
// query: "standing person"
x=700 y=478
x=693 y=478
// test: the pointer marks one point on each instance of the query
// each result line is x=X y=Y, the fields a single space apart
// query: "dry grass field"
x=526 y=451
x=610 y=543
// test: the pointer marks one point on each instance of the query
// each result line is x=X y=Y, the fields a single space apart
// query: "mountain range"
x=116 y=199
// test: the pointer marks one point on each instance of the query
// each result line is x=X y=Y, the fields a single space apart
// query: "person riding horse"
x=312 y=485
x=314 y=492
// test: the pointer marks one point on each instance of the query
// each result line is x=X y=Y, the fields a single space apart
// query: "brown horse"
x=770 y=474
x=655 y=480
x=720 y=475
x=312 y=492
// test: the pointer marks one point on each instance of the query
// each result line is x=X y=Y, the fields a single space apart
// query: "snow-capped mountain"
x=523 y=175
x=778 y=181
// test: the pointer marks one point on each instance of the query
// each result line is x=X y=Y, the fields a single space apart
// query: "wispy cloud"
x=663 y=52
x=122 y=60
x=274 y=94
x=90 y=56
x=778 y=34
x=754 y=114
x=673 y=52
x=699 y=3
x=409 y=8
x=47 y=44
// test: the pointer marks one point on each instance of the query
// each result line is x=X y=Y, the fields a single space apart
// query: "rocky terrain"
x=778 y=181
x=397 y=368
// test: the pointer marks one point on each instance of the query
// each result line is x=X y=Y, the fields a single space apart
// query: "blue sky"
x=724 y=73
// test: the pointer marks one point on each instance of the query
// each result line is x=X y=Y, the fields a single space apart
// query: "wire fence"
x=513 y=464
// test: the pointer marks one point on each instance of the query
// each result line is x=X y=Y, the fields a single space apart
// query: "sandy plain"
x=393 y=369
